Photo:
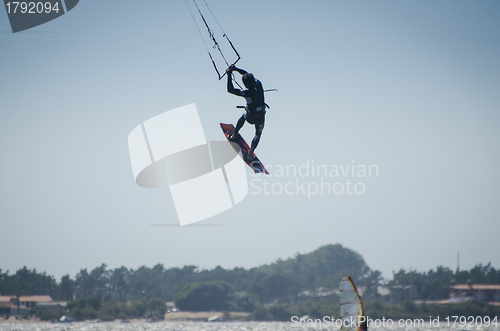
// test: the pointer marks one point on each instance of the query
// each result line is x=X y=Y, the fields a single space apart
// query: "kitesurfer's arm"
x=230 y=87
x=233 y=68
x=240 y=71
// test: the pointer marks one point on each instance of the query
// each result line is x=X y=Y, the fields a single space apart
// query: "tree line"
x=281 y=281
x=434 y=284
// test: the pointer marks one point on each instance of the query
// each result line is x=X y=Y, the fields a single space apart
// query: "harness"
x=256 y=108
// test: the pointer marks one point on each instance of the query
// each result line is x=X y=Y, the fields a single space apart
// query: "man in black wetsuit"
x=255 y=109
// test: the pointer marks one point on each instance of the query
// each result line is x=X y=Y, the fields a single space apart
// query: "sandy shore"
x=174 y=316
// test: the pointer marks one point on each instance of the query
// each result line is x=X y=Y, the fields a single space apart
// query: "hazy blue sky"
x=412 y=87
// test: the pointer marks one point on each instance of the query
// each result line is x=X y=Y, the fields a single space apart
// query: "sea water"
x=206 y=326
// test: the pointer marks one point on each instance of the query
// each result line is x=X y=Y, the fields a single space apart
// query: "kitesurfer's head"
x=248 y=80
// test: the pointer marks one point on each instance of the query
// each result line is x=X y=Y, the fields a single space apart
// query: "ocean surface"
x=205 y=326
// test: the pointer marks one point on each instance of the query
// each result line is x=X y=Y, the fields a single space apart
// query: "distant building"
x=25 y=303
x=487 y=293
x=32 y=301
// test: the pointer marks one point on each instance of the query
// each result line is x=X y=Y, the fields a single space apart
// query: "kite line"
x=211 y=35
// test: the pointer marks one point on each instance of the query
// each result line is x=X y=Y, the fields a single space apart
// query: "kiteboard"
x=255 y=163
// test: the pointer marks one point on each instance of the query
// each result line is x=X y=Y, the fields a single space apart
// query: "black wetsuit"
x=255 y=109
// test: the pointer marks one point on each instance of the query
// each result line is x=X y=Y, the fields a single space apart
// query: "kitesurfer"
x=255 y=110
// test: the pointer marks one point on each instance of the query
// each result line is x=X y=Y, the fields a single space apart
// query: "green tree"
x=28 y=282
x=67 y=288
x=120 y=282
x=157 y=307
x=242 y=301
x=95 y=283
x=436 y=284
x=371 y=283
x=275 y=287
x=203 y=296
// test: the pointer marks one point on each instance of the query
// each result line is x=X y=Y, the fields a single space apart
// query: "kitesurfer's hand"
x=230 y=69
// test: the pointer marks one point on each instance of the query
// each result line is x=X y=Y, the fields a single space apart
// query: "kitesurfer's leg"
x=259 y=127
x=239 y=125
